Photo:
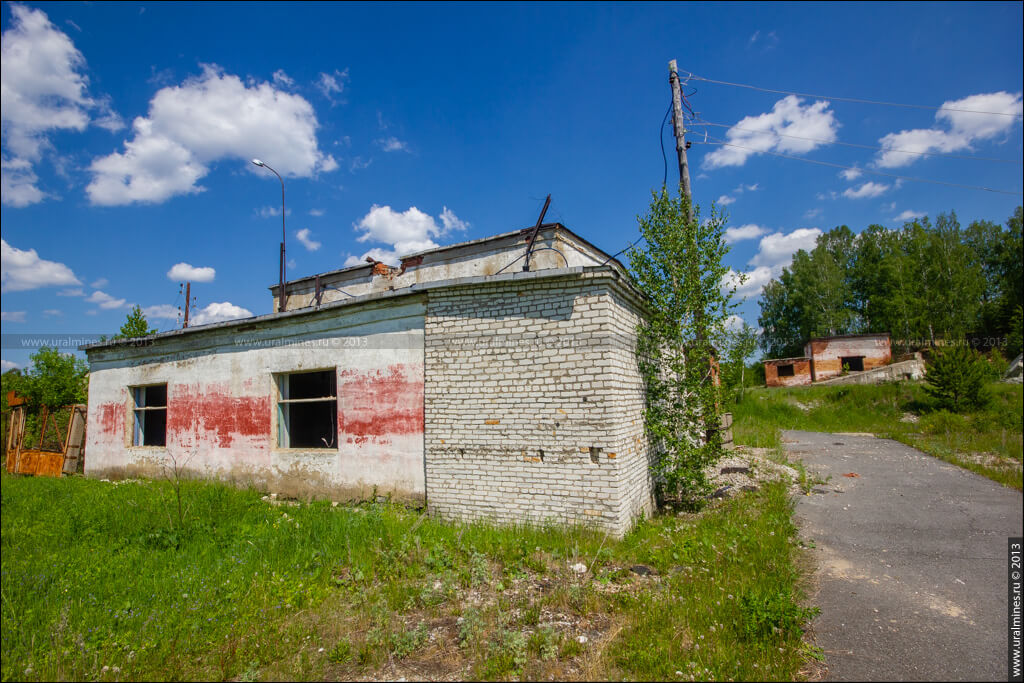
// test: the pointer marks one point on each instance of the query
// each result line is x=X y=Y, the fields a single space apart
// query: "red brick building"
x=826 y=357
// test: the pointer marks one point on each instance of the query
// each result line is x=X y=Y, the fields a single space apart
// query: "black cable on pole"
x=661 y=139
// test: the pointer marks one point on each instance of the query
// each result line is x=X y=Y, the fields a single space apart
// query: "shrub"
x=997 y=365
x=956 y=379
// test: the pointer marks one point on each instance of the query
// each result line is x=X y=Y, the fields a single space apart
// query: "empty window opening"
x=540 y=454
x=595 y=454
x=853 y=363
x=307 y=410
x=785 y=370
x=150 y=415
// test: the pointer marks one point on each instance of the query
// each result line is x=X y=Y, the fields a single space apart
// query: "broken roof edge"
x=458 y=245
x=413 y=290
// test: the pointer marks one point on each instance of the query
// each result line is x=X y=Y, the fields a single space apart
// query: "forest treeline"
x=924 y=282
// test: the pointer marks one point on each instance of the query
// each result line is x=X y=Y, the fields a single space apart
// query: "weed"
x=479 y=570
x=506 y=654
x=772 y=616
x=341 y=653
x=544 y=642
x=405 y=643
x=470 y=627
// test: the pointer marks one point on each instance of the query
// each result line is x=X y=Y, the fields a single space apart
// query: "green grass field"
x=987 y=441
x=100 y=581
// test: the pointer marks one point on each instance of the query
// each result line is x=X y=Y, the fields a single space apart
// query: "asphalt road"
x=911 y=561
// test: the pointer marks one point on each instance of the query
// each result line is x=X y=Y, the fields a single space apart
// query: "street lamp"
x=282 y=294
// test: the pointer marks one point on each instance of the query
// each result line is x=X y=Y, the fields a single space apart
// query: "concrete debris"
x=579 y=568
x=746 y=468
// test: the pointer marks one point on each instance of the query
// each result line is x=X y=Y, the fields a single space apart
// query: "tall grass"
x=100 y=581
x=987 y=441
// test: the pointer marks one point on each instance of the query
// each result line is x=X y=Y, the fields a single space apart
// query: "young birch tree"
x=682 y=274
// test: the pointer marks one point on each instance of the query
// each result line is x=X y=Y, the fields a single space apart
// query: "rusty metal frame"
x=40 y=461
x=536 y=230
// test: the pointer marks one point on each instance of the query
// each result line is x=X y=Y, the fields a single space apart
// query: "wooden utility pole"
x=188 y=301
x=680 y=131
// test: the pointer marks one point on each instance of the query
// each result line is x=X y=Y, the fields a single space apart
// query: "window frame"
x=790 y=367
x=138 y=429
x=282 y=410
x=844 y=361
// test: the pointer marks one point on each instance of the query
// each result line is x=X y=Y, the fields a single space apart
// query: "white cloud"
x=6 y=365
x=181 y=272
x=308 y=242
x=316 y=213
x=219 y=312
x=762 y=133
x=725 y=200
x=21 y=270
x=161 y=312
x=909 y=215
x=744 y=232
x=333 y=84
x=734 y=323
x=359 y=163
x=812 y=213
x=101 y=283
x=51 y=312
x=271 y=212
x=77 y=291
x=328 y=164
x=955 y=130
x=104 y=300
x=452 y=222
x=282 y=79
x=208 y=118
x=755 y=282
x=18 y=183
x=12 y=316
x=44 y=89
x=407 y=232
x=393 y=144
x=866 y=191
x=851 y=173
x=776 y=250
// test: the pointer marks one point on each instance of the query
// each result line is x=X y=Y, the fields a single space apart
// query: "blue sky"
x=127 y=130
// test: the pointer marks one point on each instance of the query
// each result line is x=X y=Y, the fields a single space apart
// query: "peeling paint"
x=197 y=413
x=381 y=402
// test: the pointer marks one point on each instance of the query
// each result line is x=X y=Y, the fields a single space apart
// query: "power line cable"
x=713 y=141
x=661 y=139
x=859 y=146
x=852 y=99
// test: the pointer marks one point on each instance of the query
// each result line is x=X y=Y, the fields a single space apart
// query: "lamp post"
x=282 y=294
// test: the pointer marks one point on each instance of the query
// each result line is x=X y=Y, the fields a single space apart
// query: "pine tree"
x=135 y=326
x=956 y=378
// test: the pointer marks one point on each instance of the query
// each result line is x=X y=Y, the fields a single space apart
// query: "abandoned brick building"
x=459 y=379
x=828 y=357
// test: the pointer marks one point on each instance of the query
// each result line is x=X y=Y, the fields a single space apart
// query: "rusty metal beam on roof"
x=533 y=235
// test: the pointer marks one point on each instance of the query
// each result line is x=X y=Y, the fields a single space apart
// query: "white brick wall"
x=533 y=403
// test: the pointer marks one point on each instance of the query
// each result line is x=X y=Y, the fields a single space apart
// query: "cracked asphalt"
x=911 y=560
